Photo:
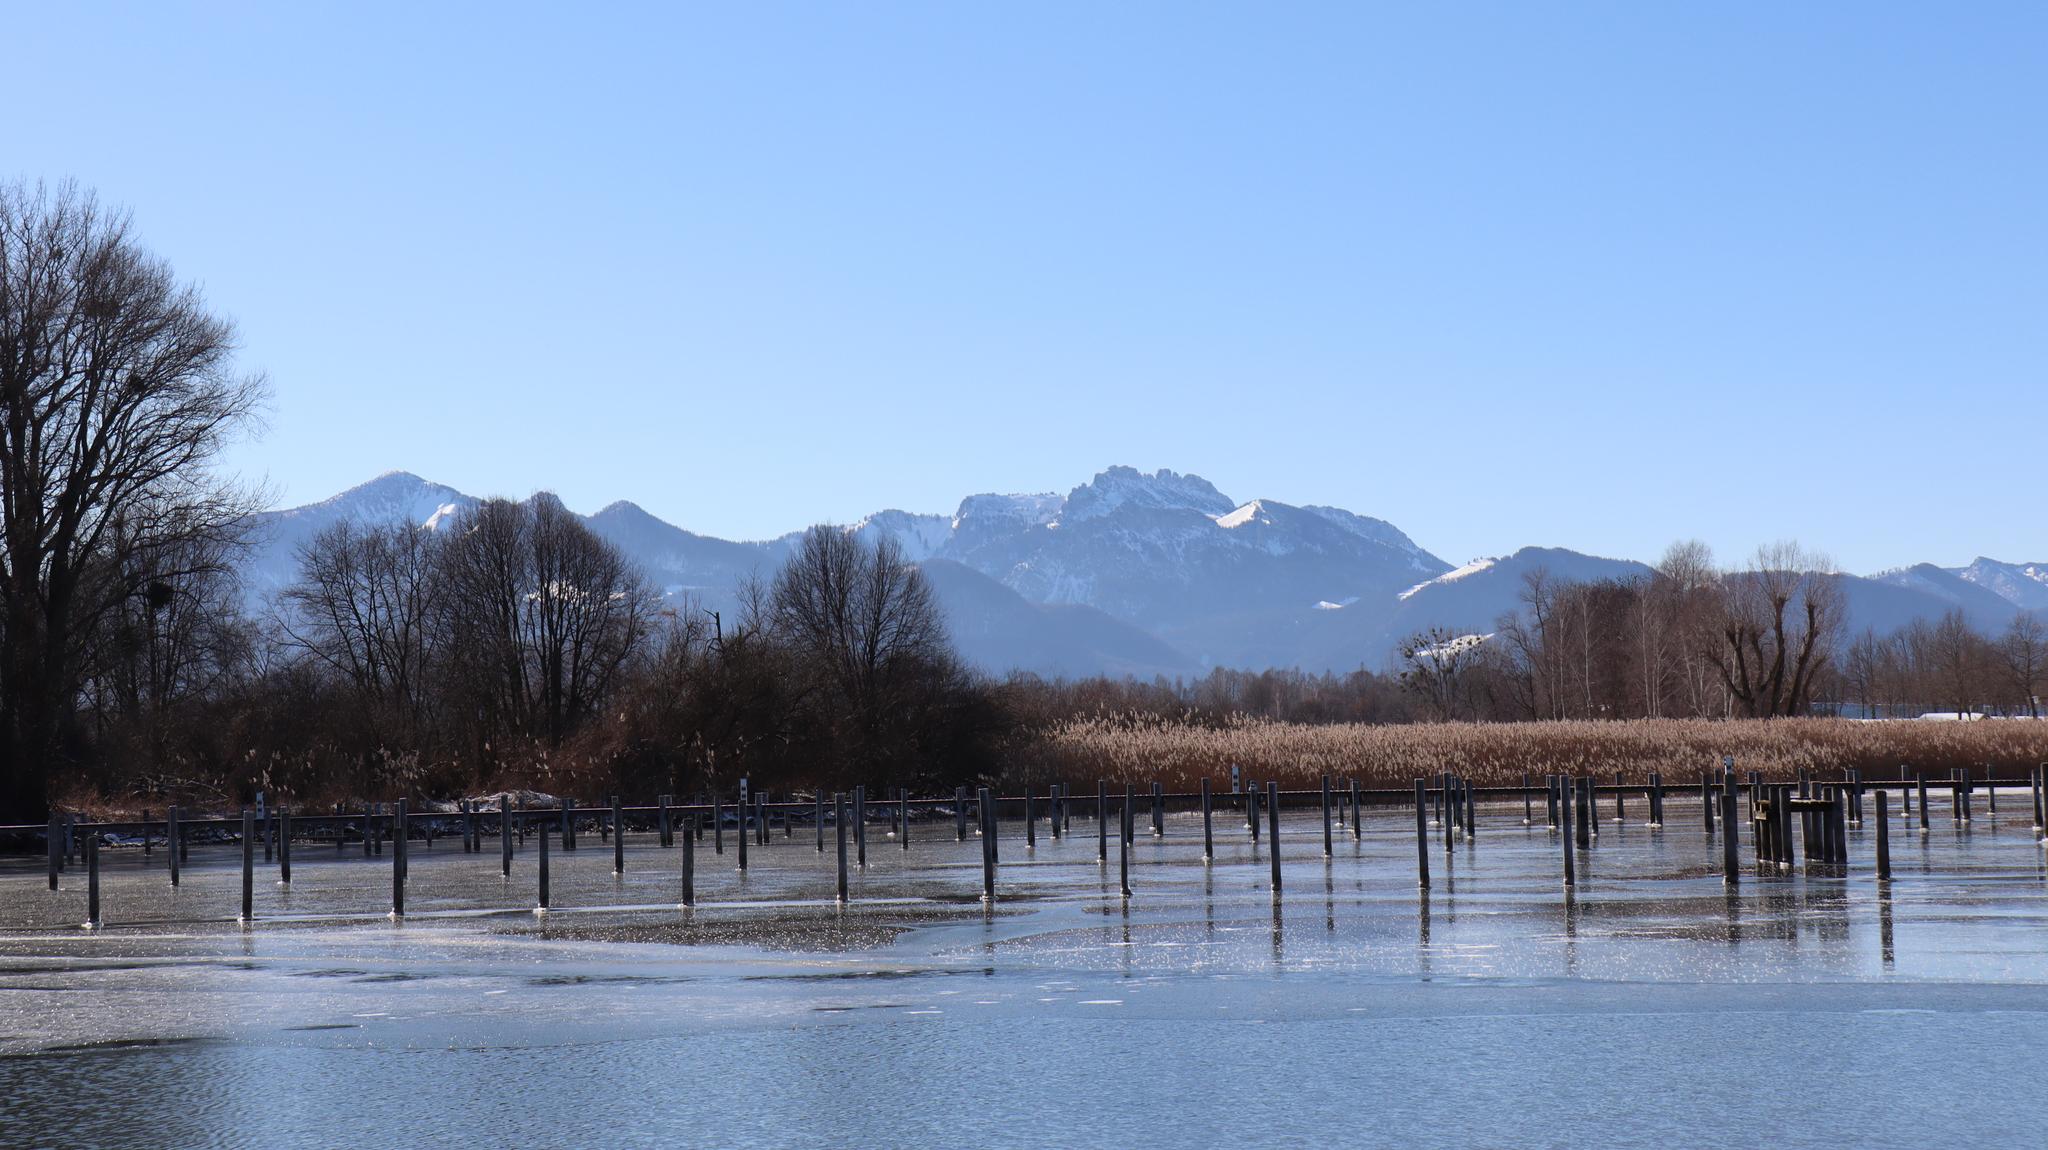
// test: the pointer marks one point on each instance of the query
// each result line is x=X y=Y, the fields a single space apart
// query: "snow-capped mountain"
x=1149 y=573
x=2024 y=585
x=393 y=496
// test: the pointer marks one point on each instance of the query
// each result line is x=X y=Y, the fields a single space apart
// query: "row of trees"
x=1948 y=665
x=1689 y=640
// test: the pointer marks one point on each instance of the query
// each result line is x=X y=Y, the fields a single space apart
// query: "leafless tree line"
x=1947 y=665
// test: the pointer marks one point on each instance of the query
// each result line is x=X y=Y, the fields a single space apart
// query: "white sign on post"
x=1235 y=787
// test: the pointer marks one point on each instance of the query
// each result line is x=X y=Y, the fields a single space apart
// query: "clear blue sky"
x=1594 y=276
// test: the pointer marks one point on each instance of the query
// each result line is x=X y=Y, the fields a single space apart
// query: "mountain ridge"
x=1146 y=573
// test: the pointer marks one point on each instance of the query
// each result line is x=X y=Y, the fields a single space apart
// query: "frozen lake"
x=1653 y=1007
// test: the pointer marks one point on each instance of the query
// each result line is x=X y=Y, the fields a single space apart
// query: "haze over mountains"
x=1143 y=574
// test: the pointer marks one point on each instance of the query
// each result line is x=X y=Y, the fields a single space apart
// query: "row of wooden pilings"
x=1824 y=812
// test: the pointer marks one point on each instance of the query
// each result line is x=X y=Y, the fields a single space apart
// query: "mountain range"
x=1149 y=574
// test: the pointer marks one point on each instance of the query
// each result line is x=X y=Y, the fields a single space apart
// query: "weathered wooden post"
x=1619 y=814
x=1102 y=822
x=903 y=808
x=398 y=863
x=248 y=865
x=618 y=838
x=839 y=827
x=541 y=864
x=988 y=854
x=818 y=817
x=1960 y=808
x=1208 y=838
x=469 y=841
x=263 y=823
x=1731 y=866
x=689 y=860
x=505 y=835
x=1123 y=847
x=1328 y=849
x=1920 y=782
x=173 y=842
x=1158 y=811
x=746 y=826
x=92 y=879
x=52 y=843
x=1357 y=814
x=1550 y=789
x=1128 y=822
x=1564 y=836
x=1422 y=831
x=568 y=824
x=717 y=824
x=1582 y=795
x=1273 y=828
x=1884 y=839
x=1251 y=809
x=860 y=825
x=1528 y=803
x=284 y=845
x=663 y=834
x=1052 y=810
x=1030 y=821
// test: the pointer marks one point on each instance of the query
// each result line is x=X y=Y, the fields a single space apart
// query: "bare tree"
x=2023 y=650
x=117 y=394
x=1434 y=668
x=364 y=607
x=1779 y=624
x=542 y=617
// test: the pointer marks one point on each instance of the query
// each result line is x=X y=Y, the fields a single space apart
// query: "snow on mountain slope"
x=395 y=496
x=2024 y=585
x=1148 y=573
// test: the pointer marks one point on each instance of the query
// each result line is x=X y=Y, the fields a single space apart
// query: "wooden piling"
x=860 y=825
x=1273 y=828
x=1123 y=848
x=903 y=809
x=1052 y=810
x=1251 y=808
x=1920 y=784
x=1731 y=865
x=717 y=824
x=1357 y=814
x=1550 y=789
x=988 y=854
x=53 y=839
x=248 y=865
x=618 y=838
x=284 y=845
x=1102 y=822
x=1030 y=821
x=960 y=814
x=1884 y=838
x=1328 y=848
x=1565 y=826
x=505 y=835
x=689 y=860
x=541 y=865
x=746 y=831
x=663 y=833
x=839 y=828
x=1208 y=837
x=818 y=817
x=398 y=863
x=1422 y=832
x=173 y=843
x=92 y=879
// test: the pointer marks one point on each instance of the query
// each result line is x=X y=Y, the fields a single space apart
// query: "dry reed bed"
x=1141 y=749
